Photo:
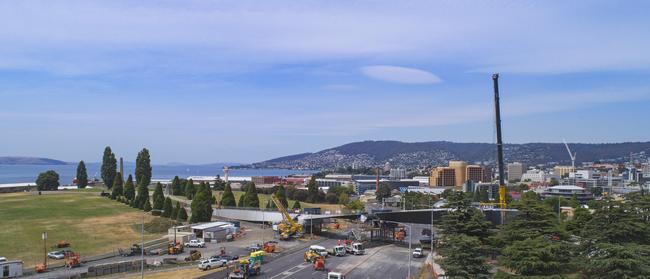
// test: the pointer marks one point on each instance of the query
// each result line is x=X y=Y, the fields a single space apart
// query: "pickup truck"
x=194 y=243
x=418 y=253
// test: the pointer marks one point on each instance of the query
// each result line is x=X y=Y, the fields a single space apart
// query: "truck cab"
x=338 y=251
x=356 y=249
x=418 y=253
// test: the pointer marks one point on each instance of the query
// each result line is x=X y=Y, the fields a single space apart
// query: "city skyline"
x=202 y=82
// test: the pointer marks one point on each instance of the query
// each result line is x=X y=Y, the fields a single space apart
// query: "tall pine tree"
x=201 y=205
x=82 y=175
x=228 y=198
x=109 y=167
x=251 y=199
x=189 y=189
x=158 y=197
x=312 y=190
x=167 y=208
x=118 y=184
x=143 y=167
x=177 y=188
x=142 y=197
x=129 y=189
x=182 y=215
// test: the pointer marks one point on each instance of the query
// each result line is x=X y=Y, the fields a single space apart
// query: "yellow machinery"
x=175 y=248
x=311 y=256
x=288 y=227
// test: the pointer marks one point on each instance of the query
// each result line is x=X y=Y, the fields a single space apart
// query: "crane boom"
x=283 y=210
x=571 y=155
x=497 y=111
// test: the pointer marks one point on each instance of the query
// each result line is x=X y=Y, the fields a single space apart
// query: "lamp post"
x=142 y=247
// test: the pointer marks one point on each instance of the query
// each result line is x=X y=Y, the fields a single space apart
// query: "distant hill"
x=17 y=160
x=419 y=154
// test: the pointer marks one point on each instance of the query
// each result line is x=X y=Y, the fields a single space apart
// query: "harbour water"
x=28 y=173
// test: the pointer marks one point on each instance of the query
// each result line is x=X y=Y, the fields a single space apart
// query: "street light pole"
x=142 y=249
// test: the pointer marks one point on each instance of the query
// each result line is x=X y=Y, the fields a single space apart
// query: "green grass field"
x=92 y=224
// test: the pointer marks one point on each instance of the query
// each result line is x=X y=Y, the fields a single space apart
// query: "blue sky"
x=243 y=81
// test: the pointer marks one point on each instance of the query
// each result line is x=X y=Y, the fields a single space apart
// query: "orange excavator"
x=72 y=259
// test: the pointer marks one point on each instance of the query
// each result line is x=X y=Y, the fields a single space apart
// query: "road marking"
x=291 y=271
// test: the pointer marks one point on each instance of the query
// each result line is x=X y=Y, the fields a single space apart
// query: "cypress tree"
x=201 y=205
x=228 y=198
x=240 y=202
x=167 y=208
x=118 y=188
x=296 y=205
x=143 y=167
x=142 y=197
x=82 y=175
x=281 y=194
x=175 y=211
x=129 y=189
x=147 y=206
x=189 y=189
x=251 y=200
x=182 y=215
x=158 y=197
x=312 y=190
x=177 y=188
x=109 y=167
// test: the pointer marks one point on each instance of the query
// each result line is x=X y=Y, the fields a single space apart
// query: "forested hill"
x=16 y=160
x=403 y=154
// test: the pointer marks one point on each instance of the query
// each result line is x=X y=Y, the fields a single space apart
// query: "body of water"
x=29 y=173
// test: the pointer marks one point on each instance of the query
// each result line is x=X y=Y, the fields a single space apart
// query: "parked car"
x=211 y=263
x=418 y=253
x=254 y=247
x=195 y=243
x=227 y=258
x=58 y=255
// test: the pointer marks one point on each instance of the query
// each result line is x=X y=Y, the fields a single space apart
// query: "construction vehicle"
x=269 y=247
x=246 y=269
x=258 y=256
x=175 y=248
x=497 y=111
x=319 y=263
x=72 y=260
x=311 y=256
x=355 y=248
x=133 y=251
x=288 y=227
x=40 y=268
x=194 y=256
x=338 y=251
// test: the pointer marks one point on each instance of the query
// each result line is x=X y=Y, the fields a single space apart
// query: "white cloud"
x=400 y=74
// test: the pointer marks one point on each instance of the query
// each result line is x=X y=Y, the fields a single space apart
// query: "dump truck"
x=133 y=251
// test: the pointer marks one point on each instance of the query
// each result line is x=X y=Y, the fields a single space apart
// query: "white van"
x=319 y=250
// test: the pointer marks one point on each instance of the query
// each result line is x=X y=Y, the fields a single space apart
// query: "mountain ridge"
x=24 y=160
x=433 y=153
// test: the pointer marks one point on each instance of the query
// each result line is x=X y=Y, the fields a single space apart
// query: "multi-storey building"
x=563 y=171
x=515 y=171
x=478 y=173
x=442 y=176
x=460 y=169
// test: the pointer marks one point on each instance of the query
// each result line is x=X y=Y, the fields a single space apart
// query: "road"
x=386 y=261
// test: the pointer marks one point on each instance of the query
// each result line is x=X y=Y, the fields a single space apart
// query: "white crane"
x=572 y=155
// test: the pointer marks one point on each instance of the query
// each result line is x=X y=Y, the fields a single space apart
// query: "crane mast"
x=572 y=156
x=497 y=111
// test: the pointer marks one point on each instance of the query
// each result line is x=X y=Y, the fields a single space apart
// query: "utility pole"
x=45 y=248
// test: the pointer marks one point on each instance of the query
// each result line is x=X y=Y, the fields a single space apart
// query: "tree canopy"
x=202 y=205
x=118 y=186
x=251 y=199
x=158 y=197
x=177 y=188
x=47 y=181
x=129 y=188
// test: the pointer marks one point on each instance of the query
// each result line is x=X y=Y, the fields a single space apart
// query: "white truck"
x=195 y=243
x=319 y=250
x=355 y=248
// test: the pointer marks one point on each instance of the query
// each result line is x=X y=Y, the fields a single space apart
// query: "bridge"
x=419 y=216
